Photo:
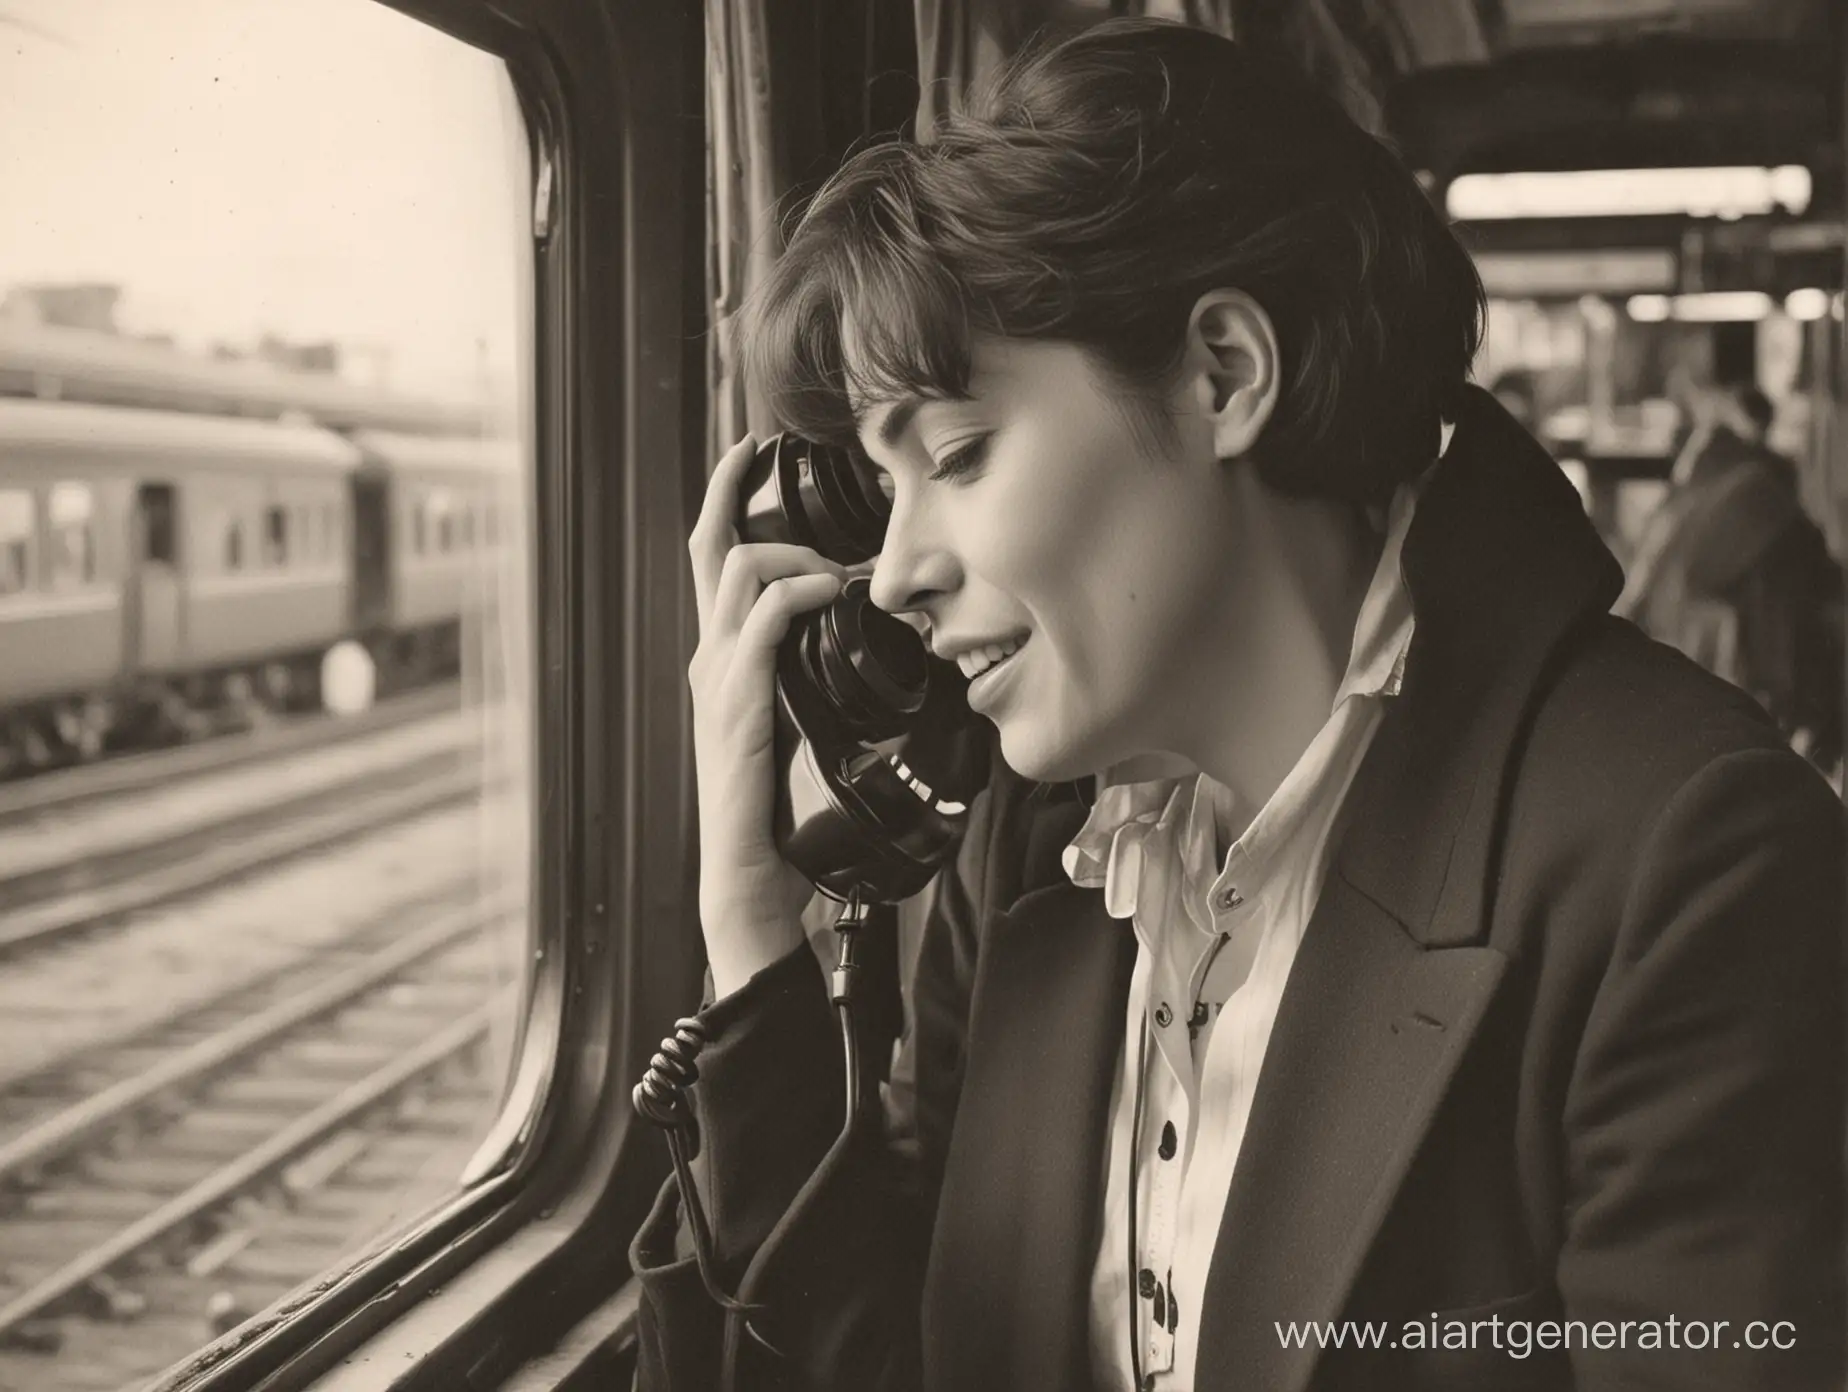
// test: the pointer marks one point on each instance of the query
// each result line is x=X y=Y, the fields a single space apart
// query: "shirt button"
x=1230 y=899
x=1145 y=1283
x=1164 y=1016
x=1167 y=1141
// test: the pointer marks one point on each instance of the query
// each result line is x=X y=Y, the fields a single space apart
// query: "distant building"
x=81 y=306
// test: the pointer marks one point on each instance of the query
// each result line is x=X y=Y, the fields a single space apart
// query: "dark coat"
x=1564 y=1040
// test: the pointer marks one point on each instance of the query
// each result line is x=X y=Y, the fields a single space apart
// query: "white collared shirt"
x=1225 y=934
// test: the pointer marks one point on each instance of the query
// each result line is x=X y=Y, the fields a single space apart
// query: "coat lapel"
x=1006 y=1295
x=1371 y=1030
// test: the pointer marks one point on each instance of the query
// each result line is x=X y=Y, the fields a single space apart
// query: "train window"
x=72 y=534
x=17 y=535
x=420 y=525
x=234 y=542
x=159 y=535
x=284 y=1027
x=441 y=506
x=276 y=536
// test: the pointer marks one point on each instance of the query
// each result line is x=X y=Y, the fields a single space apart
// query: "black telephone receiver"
x=877 y=756
x=877 y=751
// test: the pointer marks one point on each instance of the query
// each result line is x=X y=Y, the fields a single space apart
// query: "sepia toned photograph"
x=923 y=695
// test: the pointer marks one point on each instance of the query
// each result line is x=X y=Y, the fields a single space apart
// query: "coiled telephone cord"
x=660 y=1098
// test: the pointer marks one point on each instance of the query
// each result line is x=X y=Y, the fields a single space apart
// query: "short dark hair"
x=1091 y=194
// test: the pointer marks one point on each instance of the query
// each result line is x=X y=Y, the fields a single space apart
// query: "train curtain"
x=791 y=86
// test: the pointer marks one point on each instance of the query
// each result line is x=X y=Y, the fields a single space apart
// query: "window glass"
x=301 y=521
x=276 y=536
x=290 y=209
x=442 y=508
x=234 y=541
x=159 y=535
x=71 y=529
x=16 y=538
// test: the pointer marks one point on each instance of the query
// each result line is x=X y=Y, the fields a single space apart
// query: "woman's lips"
x=982 y=687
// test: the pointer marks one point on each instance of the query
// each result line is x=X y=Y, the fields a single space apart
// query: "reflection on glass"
x=265 y=653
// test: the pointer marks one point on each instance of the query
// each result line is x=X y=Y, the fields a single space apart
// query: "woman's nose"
x=908 y=577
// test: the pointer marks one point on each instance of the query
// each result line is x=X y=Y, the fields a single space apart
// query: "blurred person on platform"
x=1733 y=571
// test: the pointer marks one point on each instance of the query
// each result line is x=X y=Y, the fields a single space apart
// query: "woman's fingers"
x=779 y=603
x=747 y=571
x=714 y=534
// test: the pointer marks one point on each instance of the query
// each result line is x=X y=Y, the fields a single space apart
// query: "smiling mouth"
x=989 y=659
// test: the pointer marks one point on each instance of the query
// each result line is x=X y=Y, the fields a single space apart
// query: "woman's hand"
x=750 y=898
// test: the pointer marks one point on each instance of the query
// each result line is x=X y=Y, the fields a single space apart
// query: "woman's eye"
x=963 y=460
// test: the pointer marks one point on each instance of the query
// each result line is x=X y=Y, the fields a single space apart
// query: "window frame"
x=504 y=1269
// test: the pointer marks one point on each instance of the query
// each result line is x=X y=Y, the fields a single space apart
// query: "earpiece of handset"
x=819 y=496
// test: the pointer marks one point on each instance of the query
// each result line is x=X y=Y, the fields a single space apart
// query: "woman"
x=1434 y=951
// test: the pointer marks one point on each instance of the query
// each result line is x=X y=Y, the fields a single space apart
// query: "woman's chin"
x=1041 y=760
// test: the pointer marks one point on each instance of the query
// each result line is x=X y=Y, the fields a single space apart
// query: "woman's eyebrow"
x=895 y=422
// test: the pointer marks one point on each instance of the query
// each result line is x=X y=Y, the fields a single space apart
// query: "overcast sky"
x=314 y=168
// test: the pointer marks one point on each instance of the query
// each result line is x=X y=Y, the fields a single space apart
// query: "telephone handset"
x=877 y=756
x=874 y=735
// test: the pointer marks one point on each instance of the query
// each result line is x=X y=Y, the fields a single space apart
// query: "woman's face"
x=1041 y=519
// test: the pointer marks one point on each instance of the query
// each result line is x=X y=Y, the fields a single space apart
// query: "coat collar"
x=1502 y=565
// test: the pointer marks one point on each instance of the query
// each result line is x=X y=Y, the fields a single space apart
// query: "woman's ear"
x=1233 y=360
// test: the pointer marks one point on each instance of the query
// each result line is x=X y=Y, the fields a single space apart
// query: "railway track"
x=65 y=790
x=137 y=854
x=176 y=1154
